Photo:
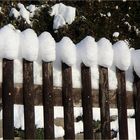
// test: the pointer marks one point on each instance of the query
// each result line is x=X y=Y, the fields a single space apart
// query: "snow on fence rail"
x=69 y=59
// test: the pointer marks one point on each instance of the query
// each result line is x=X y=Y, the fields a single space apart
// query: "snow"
x=122 y=56
x=95 y=77
x=59 y=113
x=67 y=51
x=31 y=8
x=47 y=47
x=128 y=24
x=29 y=45
x=24 y=13
x=18 y=73
x=58 y=22
x=57 y=74
x=116 y=34
x=112 y=79
x=58 y=131
x=9 y=42
x=129 y=74
x=37 y=72
x=131 y=128
x=88 y=51
x=62 y=14
x=105 y=53
x=109 y=14
x=14 y=13
x=15 y=45
x=76 y=71
x=135 y=61
x=78 y=127
x=117 y=7
x=19 y=119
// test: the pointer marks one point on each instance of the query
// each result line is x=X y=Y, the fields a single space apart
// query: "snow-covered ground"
x=58 y=113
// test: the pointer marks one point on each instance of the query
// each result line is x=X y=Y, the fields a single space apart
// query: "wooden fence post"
x=122 y=104
x=67 y=100
x=137 y=104
x=48 y=100
x=28 y=99
x=104 y=103
x=7 y=99
x=87 y=101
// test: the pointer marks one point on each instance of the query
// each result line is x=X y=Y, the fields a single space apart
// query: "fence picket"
x=87 y=101
x=28 y=99
x=48 y=100
x=137 y=104
x=104 y=103
x=67 y=100
x=122 y=104
x=7 y=99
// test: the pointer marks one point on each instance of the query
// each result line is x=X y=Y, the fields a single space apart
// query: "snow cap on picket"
x=29 y=45
x=122 y=56
x=105 y=52
x=9 y=42
x=136 y=62
x=67 y=51
x=47 y=44
x=88 y=51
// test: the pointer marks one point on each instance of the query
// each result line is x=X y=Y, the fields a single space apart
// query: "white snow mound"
x=135 y=61
x=9 y=42
x=62 y=14
x=88 y=51
x=29 y=45
x=122 y=56
x=58 y=22
x=67 y=51
x=24 y=13
x=47 y=47
x=105 y=53
x=14 y=13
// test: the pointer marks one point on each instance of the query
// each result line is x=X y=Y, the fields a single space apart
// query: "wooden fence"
x=28 y=95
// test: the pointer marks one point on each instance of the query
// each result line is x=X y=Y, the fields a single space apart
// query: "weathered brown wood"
x=67 y=101
x=104 y=103
x=48 y=100
x=137 y=104
x=18 y=98
x=122 y=105
x=87 y=101
x=7 y=99
x=28 y=100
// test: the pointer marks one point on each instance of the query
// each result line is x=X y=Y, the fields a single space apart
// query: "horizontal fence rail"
x=68 y=97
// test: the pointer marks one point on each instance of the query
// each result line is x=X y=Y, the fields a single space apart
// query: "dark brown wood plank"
x=104 y=103
x=122 y=104
x=137 y=104
x=7 y=99
x=18 y=98
x=67 y=100
x=28 y=100
x=48 y=100
x=87 y=102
